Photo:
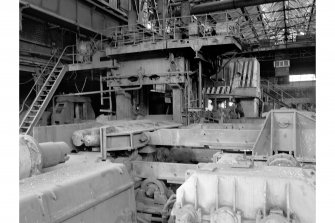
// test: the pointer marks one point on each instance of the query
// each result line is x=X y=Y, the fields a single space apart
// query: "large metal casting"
x=90 y=137
x=128 y=136
x=72 y=109
x=127 y=141
x=284 y=131
x=226 y=139
x=287 y=131
x=259 y=194
x=85 y=192
x=35 y=156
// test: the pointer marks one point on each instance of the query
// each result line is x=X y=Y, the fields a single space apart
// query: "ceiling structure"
x=260 y=25
x=279 y=22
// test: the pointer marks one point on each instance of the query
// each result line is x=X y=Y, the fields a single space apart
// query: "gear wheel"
x=282 y=159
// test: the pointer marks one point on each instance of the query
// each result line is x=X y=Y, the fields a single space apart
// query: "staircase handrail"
x=52 y=71
x=32 y=88
x=276 y=88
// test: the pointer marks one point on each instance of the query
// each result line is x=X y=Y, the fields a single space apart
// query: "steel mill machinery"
x=166 y=172
x=71 y=109
x=171 y=159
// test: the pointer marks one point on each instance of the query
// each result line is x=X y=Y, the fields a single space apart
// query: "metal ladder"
x=44 y=96
x=274 y=92
x=109 y=111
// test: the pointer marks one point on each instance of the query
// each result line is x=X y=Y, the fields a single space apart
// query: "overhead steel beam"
x=285 y=21
x=84 y=14
x=261 y=17
x=227 y=4
x=116 y=14
x=251 y=25
x=311 y=16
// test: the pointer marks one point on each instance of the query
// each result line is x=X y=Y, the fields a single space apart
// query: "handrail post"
x=115 y=38
x=72 y=54
x=174 y=28
x=123 y=40
x=134 y=36
x=164 y=24
x=153 y=37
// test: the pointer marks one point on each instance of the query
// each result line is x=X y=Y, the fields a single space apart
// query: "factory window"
x=303 y=77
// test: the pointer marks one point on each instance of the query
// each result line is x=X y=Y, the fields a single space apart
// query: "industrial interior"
x=167 y=111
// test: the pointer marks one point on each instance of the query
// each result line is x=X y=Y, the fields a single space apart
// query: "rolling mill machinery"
x=200 y=153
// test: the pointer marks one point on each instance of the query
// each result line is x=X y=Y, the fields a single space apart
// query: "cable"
x=27 y=81
x=84 y=84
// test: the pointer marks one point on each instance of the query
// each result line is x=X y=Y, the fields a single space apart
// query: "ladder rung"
x=105 y=110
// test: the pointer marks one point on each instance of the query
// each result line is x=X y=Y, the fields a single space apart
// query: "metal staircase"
x=44 y=96
x=276 y=94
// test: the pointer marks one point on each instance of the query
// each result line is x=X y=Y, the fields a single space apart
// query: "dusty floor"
x=77 y=158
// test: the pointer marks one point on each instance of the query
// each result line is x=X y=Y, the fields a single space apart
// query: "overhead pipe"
x=227 y=4
x=108 y=91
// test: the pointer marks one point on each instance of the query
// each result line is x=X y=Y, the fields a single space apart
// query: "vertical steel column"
x=272 y=134
x=177 y=104
x=103 y=143
x=294 y=134
x=101 y=94
x=200 y=84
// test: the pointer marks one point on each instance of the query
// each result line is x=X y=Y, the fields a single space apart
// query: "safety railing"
x=276 y=91
x=186 y=27
x=39 y=78
x=247 y=27
x=68 y=52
